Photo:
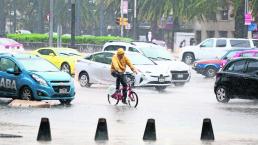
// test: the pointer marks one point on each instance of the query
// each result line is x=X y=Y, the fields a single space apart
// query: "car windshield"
x=4 y=41
x=138 y=59
x=33 y=65
x=66 y=52
x=230 y=54
x=156 y=53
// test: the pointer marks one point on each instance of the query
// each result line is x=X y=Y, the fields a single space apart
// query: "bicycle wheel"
x=132 y=99
x=112 y=100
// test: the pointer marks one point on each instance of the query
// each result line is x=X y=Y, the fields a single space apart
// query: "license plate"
x=180 y=76
x=63 y=91
x=161 y=80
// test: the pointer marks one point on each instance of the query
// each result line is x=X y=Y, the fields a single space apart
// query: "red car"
x=10 y=45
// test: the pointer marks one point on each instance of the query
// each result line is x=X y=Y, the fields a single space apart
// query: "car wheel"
x=65 y=67
x=26 y=93
x=188 y=58
x=222 y=94
x=65 y=102
x=84 y=80
x=210 y=72
x=160 y=88
x=179 y=84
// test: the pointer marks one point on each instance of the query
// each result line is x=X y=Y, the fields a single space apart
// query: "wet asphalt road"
x=178 y=112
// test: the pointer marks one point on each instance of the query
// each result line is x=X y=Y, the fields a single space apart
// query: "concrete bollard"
x=102 y=131
x=150 y=130
x=207 y=131
x=44 y=133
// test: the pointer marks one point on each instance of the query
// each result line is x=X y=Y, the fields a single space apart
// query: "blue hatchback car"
x=28 y=77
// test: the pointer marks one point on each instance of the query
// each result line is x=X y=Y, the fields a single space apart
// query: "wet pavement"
x=178 y=113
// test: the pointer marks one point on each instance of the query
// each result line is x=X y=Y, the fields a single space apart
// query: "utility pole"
x=135 y=20
x=51 y=23
x=78 y=18
x=122 y=17
x=73 y=23
x=2 y=18
x=101 y=25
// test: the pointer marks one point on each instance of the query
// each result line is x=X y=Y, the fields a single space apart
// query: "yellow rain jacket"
x=120 y=65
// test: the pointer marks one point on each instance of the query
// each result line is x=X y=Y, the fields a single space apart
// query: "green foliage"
x=66 y=39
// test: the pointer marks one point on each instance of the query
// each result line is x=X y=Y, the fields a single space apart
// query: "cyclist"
x=118 y=67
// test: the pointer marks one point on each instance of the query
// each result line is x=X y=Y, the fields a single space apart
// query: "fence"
x=85 y=48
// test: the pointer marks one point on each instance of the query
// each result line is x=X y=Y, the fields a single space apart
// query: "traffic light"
x=118 y=20
x=121 y=21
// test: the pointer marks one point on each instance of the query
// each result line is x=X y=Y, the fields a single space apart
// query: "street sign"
x=125 y=7
x=248 y=18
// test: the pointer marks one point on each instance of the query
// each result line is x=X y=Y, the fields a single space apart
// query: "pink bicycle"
x=132 y=97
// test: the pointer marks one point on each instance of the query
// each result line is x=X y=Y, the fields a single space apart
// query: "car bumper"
x=54 y=92
x=153 y=81
x=180 y=76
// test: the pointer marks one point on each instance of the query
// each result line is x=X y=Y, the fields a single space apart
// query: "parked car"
x=210 y=67
x=180 y=72
x=238 y=79
x=212 y=48
x=95 y=69
x=62 y=58
x=28 y=77
x=10 y=45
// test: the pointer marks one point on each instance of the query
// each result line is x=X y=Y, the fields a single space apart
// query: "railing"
x=85 y=48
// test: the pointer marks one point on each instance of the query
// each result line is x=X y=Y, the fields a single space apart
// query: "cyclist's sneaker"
x=124 y=101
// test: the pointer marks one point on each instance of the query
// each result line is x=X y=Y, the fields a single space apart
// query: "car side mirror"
x=52 y=54
x=11 y=71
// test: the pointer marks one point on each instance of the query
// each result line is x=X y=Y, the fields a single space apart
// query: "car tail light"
x=7 y=47
x=218 y=75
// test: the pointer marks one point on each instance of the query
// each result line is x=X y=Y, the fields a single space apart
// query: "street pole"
x=122 y=17
x=14 y=16
x=101 y=26
x=135 y=20
x=78 y=18
x=51 y=23
x=2 y=18
x=73 y=24
x=249 y=33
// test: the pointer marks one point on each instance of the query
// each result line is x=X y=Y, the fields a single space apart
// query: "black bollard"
x=150 y=130
x=207 y=131
x=44 y=133
x=102 y=131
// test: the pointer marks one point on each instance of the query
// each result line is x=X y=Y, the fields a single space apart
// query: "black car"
x=238 y=79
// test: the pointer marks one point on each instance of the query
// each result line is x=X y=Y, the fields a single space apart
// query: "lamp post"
x=135 y=20
x=73 y=23
x=51 y=23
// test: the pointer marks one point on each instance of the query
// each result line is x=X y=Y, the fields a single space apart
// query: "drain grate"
x=9 y=136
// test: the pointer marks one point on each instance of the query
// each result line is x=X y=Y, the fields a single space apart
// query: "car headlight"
x=39 y=80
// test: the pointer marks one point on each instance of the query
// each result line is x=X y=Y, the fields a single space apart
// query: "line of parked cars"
x=233 y=61
x=45 y=73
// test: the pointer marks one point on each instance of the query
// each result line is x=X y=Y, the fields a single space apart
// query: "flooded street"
x=178 y=114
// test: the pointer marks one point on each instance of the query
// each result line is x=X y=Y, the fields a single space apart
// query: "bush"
x=100 y=40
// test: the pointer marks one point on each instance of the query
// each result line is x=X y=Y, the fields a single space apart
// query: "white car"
x=180 y=72
x=95 y=69
x=213 y=48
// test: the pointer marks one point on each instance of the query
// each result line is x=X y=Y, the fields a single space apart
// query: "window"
x=98 y=58
x=210 y=34
x=211 y=16
x=208 y=43
x=248 y=54
x=114 y=47
x=221 y=43
x=223 y=34
x=7 y=64
x=108 y=58
x=224 y=14
x=240 y=43
x=236 y=67
x=133 y=49
x=252 y=66
x=255 y=43
x=46 y=51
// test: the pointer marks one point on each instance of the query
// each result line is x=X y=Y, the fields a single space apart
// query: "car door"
x=97 y=67
x=108 y=78
x=207 y=49
x=8 y=81
x=251 y=79
x=235 y=76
